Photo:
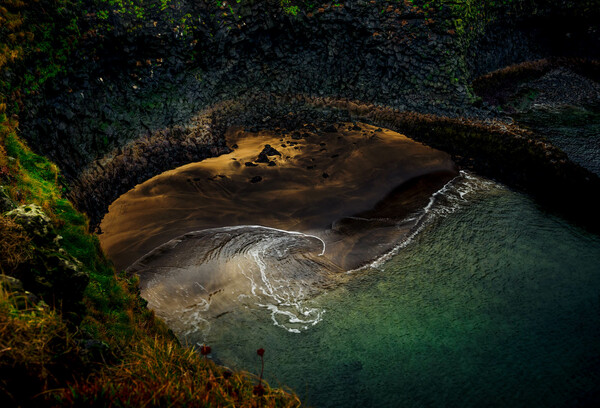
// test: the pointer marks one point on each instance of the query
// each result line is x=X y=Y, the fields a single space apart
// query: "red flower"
x=260 y=352
x=204 y=350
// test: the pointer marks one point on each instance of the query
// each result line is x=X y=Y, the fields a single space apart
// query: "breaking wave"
x=450 y=198
x=201 y=276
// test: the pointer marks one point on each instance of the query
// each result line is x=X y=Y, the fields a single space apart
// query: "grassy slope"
x=119 y=351
x=115 y=351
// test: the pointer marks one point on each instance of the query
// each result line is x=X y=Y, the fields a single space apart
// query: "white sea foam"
x=287 y=297
x=447 y=200
x=204 y=275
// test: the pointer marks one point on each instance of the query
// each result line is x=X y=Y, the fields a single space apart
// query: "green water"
x=497 y=304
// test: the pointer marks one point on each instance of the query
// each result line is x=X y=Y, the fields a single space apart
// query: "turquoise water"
x=496 y=304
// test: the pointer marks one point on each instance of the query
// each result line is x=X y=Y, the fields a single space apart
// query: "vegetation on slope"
x=72 y=330
x=98 y=346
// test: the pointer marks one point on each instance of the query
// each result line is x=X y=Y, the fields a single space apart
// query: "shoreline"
x=313 y=182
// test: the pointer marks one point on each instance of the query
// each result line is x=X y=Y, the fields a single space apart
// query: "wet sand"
x=349 y=187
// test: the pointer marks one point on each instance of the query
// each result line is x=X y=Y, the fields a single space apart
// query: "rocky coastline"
x=146 y=107
x=98 y=97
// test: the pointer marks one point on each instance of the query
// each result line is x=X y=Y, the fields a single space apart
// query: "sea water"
x=491 y=302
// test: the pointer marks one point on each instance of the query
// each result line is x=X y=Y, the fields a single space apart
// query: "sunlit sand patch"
x=272 y=224
x=319 y=178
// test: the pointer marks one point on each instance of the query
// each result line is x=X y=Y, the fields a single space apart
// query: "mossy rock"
x=33 y=219
x=53 y=274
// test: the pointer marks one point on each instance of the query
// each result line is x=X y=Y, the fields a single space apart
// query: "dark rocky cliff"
x=143 y=96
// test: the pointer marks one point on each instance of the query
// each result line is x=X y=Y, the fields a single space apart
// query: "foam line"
x=234 y=227
x=272 y=276
x=428 y=213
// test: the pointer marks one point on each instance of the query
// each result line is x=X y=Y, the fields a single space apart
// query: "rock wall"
x=140 y=101
x=125 y=85
x=491 y=148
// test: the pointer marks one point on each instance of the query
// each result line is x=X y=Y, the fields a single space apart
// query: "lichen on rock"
x=33 y=219
x=50 y=272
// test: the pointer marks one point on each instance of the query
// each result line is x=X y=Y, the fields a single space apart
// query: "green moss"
x=40 y=37
x=38 y=181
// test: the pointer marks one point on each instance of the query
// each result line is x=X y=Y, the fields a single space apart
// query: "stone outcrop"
x=33 y=219
x=51 y=272
x=139 y=100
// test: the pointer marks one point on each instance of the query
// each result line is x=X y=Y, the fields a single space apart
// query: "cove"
x=495 y=304
x=276 y=230
x=476 y=297
x=259 y=198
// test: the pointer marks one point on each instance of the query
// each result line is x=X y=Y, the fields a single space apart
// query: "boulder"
x=33 y=220
x=263 y=156
x=270 y=151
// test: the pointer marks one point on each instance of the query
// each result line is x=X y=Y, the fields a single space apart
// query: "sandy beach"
x=347 y=183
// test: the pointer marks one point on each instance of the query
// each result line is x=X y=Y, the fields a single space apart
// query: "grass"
x=41 y=362
x=159 y=373
x=15 y=245
x=36 y=349
x=117 y=353
x=36 y=180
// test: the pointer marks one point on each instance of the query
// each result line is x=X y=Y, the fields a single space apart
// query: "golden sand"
x=319 y=179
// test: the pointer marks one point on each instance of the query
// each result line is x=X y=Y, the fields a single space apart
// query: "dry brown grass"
x=42 y=364
x=36 y=350
x=160 y=373
x=15 y=245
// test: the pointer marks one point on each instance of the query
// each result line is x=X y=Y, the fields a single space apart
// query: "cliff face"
x=130 y=77
x=147 y=92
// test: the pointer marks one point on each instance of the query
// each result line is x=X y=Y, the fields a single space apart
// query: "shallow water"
x=193 y=280
x=494 y=304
